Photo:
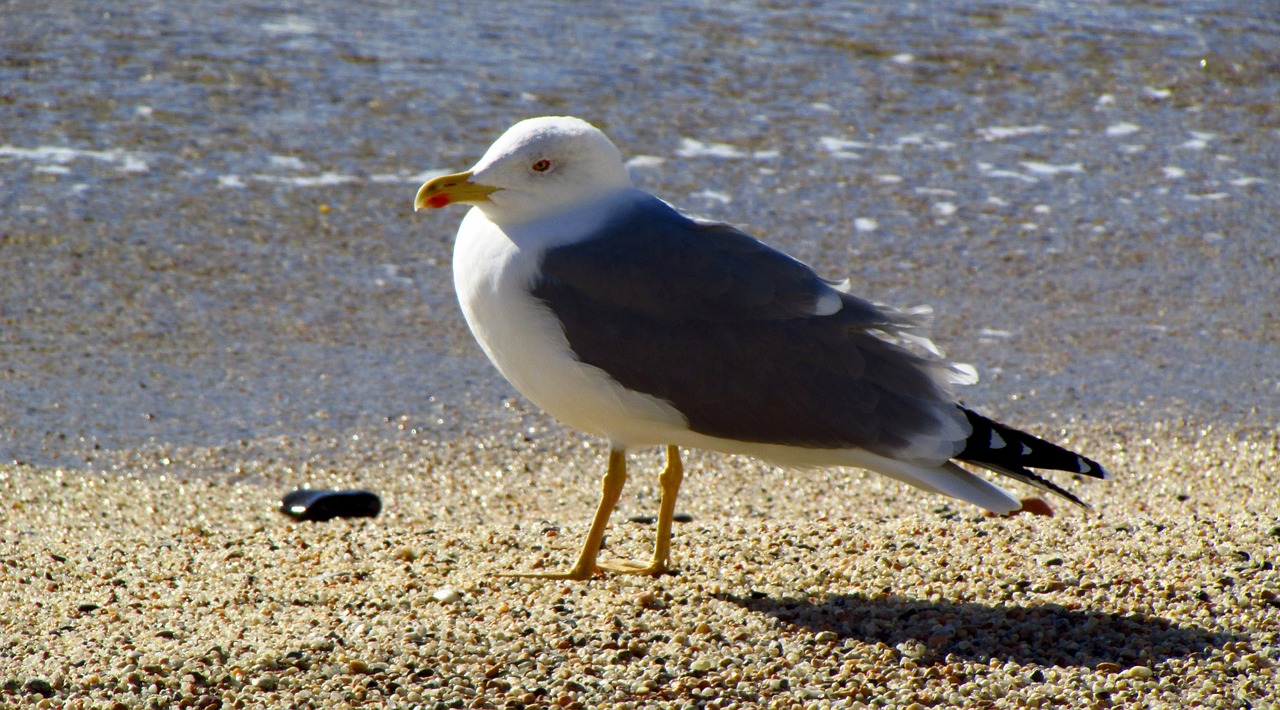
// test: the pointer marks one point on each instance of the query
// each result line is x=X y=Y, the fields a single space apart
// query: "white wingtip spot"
x=1026 y=450
x=827 y=304
x=996 y=441
x=1083 y=465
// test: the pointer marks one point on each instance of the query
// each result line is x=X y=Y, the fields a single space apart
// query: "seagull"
x=626 y=319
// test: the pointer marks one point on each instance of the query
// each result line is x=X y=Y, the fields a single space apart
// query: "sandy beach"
x=213 y=290
x=172 y=586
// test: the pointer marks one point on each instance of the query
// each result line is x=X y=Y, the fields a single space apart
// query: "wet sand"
x=212 y=290
x=207 y=233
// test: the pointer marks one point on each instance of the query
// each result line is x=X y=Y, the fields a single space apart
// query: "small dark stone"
x=650 y=520
x=316 y=504
x=87 y=607
x=39 y=686
x=1037 y=676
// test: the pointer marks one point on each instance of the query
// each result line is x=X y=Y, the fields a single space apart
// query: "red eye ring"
x=541 y=166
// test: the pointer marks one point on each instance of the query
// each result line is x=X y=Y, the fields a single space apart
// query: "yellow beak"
x=448 y=189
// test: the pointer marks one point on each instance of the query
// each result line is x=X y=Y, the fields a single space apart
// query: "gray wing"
x=747 y=342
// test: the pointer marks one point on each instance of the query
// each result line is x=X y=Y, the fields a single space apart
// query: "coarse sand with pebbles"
x=172 y=581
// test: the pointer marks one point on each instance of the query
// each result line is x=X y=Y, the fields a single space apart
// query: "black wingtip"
x=1013 y=453
x=1095 y=469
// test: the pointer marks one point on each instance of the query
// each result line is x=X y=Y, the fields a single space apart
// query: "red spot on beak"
x=438 y=201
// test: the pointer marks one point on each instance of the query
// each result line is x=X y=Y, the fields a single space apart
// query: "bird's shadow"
x=1039 y=634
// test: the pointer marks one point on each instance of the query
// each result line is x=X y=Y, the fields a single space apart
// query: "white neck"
x=561 y=224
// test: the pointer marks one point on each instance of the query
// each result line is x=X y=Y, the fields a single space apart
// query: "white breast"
x=493 y=275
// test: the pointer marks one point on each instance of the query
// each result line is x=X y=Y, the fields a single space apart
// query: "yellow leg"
x=614 y=479
x=670 y=480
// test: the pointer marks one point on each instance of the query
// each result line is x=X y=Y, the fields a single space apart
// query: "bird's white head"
x=539 y=166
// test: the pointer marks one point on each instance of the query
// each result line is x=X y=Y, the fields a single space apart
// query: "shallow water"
x=206 y=231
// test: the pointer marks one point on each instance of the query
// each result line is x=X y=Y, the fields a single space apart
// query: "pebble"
x=650 y=520
x=447 y=595
x=650 y=600
x=321 y=505
x=38 y=686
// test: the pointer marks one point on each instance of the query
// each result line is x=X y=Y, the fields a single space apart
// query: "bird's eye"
x=541 y=166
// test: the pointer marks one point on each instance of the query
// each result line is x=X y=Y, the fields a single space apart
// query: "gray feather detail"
x=736 y=336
